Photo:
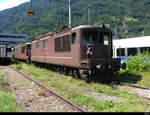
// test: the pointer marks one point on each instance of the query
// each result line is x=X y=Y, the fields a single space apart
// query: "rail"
x=41 y=85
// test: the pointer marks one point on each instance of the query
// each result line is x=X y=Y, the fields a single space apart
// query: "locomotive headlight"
x=89 y=48
x=98 y=66
x=109 y=66
x=89 y=51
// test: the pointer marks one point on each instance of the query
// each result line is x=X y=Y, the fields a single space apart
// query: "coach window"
x=45 y=44
x=120 y=52
x=37 y=45
x=145 y=49
x=74 y=38
x=132 y=51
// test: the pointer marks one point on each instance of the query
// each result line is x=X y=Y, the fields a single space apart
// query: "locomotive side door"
x=75 y=47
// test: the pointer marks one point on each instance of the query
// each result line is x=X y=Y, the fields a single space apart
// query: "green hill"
x=130 y=17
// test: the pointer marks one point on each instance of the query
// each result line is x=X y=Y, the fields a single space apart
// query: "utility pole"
x=115 y=31
x=70 y=18
x=89 y=16
x=143 y=33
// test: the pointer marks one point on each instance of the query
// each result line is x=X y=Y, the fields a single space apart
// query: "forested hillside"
x=130 y=17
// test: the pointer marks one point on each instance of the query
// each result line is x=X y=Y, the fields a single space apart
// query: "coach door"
x=2 y=51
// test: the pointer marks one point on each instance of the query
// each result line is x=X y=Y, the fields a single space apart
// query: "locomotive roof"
x=69 y=29
x=88 y=26
x=22 y=44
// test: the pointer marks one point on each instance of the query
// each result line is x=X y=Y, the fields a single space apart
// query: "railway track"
x=70 y=104
x=135 y=86
x=131 y=85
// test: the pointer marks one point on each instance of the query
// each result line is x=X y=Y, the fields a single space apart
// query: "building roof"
x=143 y=41
x=12 y=39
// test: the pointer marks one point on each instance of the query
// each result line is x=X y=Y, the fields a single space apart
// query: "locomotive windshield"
x=96 y=37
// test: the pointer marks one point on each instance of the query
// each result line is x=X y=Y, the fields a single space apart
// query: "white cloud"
x=11 y=3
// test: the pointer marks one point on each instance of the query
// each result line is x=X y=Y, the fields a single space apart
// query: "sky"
x=5 y=4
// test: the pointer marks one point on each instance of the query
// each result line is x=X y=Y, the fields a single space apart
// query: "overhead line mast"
x=89 y=16
x=70 y=17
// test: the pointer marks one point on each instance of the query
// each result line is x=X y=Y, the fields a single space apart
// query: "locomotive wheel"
x=66 y=72
x=61 y=70
x=57 y=70
x=84 y=74
x=70 y=72
x=76 y=73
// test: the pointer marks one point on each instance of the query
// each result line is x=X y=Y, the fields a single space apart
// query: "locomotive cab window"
x=96 y=37
x=28 y=47
x=74 y=38
x=106 y=38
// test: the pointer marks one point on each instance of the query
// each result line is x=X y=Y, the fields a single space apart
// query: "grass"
x=7 y=100
x=141 y=78
x=73 y=89
x=3 y=83
x=145 y=81
x=129 y=77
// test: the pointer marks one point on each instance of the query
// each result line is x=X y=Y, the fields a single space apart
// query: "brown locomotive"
x=83 y=51
x=22 y=52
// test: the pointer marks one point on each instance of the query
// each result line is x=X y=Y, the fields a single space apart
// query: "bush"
x=19 y=66
x=7 y=102
x=16 y=64
x=138 y=63
x=15 y=61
